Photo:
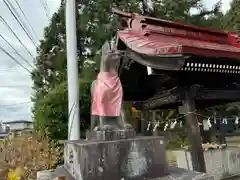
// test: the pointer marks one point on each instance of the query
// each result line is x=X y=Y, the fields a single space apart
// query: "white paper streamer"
x=173 y=124
x=215 y=120
x=237 y=120
x=209 y=123
x=224 y=121
x=181 y=124
x=156 y=126
x=205 y=125
x=148 y=128
x=165 y=127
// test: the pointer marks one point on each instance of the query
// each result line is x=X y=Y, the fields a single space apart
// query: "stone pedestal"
x=116 y=155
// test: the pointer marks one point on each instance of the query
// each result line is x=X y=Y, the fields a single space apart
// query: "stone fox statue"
x=107 y=94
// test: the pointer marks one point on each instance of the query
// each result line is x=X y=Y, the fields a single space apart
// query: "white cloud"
x=210 y=3
x=15 y=86
x=226 y=5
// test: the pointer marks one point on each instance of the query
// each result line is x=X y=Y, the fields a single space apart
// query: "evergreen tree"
x=232 y=18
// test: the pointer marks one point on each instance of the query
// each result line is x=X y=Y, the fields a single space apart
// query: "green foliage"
x=232 y=18
x=51 y=117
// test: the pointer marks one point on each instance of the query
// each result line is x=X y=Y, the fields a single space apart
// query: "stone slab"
x=53 y=174
x=132 y=159
x=221 y=163
x=176 y=173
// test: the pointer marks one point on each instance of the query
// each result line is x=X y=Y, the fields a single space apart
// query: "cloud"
x=15 y=91
x=210 y=3
x=226 y=5
x=16 y=83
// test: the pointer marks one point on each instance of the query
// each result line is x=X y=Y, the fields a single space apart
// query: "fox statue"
x=107 y=94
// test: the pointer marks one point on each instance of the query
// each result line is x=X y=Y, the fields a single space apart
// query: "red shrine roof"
x=156 y=37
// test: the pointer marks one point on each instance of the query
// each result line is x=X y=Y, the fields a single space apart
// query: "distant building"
x=17 y=128
x=3 y=135
x=20 y=125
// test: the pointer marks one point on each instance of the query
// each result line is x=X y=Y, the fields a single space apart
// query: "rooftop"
x=18 y=121
x=157 y=37
x=3 y=135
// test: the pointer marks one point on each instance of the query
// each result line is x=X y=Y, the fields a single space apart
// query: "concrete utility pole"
x=72 y=72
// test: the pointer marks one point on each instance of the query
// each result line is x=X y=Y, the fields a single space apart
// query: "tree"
x=95 y=25
x=51 y=117
x=231 y=20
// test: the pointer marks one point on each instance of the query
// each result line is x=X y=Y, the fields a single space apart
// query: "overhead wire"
x=14 y=86
x=25 y=28
x=14 y=59
x=19 y=40
x=23 y=13
x=15 y=14
x=25 y=60
x=4 y=105
x=9 y=70
x=46 y=8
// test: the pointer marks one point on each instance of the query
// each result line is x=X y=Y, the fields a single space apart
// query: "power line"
x=14 y=13
x=14 y=86
x=19 y=40
x=18 y=5
x=15 y=104
x=16 y=51
x=10 y=69
x=12 y=9
x=46 y=8
x=14 y=59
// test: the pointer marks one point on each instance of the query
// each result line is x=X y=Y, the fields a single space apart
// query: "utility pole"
x=72 y=72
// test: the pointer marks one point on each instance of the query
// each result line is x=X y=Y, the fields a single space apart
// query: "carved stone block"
x=131 y=159
x=111 y=135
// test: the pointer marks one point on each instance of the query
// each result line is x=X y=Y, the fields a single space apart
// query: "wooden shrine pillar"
x=193 y=130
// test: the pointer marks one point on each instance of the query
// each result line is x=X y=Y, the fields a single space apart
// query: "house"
x=20 y=125
x=3 y=135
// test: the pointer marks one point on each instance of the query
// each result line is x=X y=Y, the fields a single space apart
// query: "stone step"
x=175 y=173
x=132 y=159
x=54 y=174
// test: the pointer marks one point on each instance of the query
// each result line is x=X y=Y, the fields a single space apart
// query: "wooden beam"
x=219 y=94
x=204 y=98
x=158 y=101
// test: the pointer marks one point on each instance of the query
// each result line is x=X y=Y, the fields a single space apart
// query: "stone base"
x=111 y=135
x=54 y=174
x=221 y=163
x=129 y=159
x=183 y=174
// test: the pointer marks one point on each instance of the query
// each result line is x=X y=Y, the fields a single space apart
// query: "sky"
x=225 y=4
x=15 y=82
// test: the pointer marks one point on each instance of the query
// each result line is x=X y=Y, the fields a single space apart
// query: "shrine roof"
x=156 y=37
